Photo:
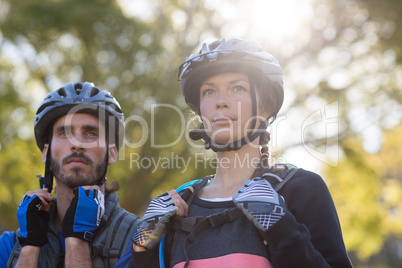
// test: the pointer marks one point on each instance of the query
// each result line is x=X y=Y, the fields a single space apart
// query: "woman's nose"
x=221 y=101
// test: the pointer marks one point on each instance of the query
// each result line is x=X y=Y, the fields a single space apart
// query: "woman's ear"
x=113 y=153
x=44 y=153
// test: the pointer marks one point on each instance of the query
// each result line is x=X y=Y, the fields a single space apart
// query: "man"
x=79 y=129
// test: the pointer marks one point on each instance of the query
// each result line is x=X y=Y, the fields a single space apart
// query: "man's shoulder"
x=7 y=242
x=7 y=239
x=116 y=216
x=113 y=208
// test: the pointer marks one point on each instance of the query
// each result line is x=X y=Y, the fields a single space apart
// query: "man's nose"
x=77 y=144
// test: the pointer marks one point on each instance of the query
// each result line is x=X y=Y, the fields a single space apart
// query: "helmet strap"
x=103 y=177
x=254 y=104
x=236 y=145
x=198 y=134
x=48 y=178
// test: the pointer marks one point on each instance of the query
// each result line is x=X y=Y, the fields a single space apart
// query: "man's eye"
x=92 y=134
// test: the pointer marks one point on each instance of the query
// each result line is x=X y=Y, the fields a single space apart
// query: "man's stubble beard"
x=78 y=178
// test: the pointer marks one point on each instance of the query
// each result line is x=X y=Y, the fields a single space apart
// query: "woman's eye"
x=207 y=92
x=239 y=88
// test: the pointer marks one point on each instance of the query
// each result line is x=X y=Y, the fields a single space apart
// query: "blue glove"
x=159 y=212
x=84 y=214
x=260 y=203
x=33 y=222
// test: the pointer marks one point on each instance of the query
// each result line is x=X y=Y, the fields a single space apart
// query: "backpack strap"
x=195 y=225
x=117 y=238
x=204 y=181
x=282 y=173
x=291 y=171
x=210 y=221
x=113 y=237
x=286 y=179
x=16 y=251
x=188 y=194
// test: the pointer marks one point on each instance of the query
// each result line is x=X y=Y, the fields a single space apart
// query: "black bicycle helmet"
x=77 y=98
x=83 y=98
x=233 y=55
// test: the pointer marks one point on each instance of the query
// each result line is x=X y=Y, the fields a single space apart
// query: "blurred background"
x=342 y=63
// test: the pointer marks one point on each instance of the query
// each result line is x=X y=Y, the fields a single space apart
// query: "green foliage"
x=355 y=188
x=136 y=59
x=20 y=162
x=367 y=189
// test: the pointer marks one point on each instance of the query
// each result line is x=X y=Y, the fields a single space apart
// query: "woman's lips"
x=224 y=119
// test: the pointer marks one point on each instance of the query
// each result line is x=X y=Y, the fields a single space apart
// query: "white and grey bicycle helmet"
x=233 y=55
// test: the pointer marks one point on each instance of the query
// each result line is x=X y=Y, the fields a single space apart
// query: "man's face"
x=78 y=150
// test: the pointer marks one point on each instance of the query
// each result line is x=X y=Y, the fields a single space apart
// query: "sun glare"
x=268 y=19
x=279 y=17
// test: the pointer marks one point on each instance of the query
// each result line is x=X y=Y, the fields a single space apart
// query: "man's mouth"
x=77 y=162
x=80 y=160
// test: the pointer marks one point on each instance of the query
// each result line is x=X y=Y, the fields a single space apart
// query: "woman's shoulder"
x=290 y=178
x=289 y=173
x=306 y=184
x=306 y=176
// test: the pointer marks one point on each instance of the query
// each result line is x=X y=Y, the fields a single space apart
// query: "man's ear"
x=113 y=153
x=44 y=153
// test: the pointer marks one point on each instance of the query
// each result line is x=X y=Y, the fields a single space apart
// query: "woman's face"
x=226 y=107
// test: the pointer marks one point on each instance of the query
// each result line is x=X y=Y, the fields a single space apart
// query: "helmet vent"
x=58 y=102
x=94 y=91
x=43 y=107
x=114 y=107
x=78 y=87
x=214 y=45
x=62 y=93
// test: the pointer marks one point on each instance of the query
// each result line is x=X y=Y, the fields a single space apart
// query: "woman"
x=236 y=218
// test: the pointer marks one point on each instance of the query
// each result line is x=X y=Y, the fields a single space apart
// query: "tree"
x=367 y=189
x=47 y=44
